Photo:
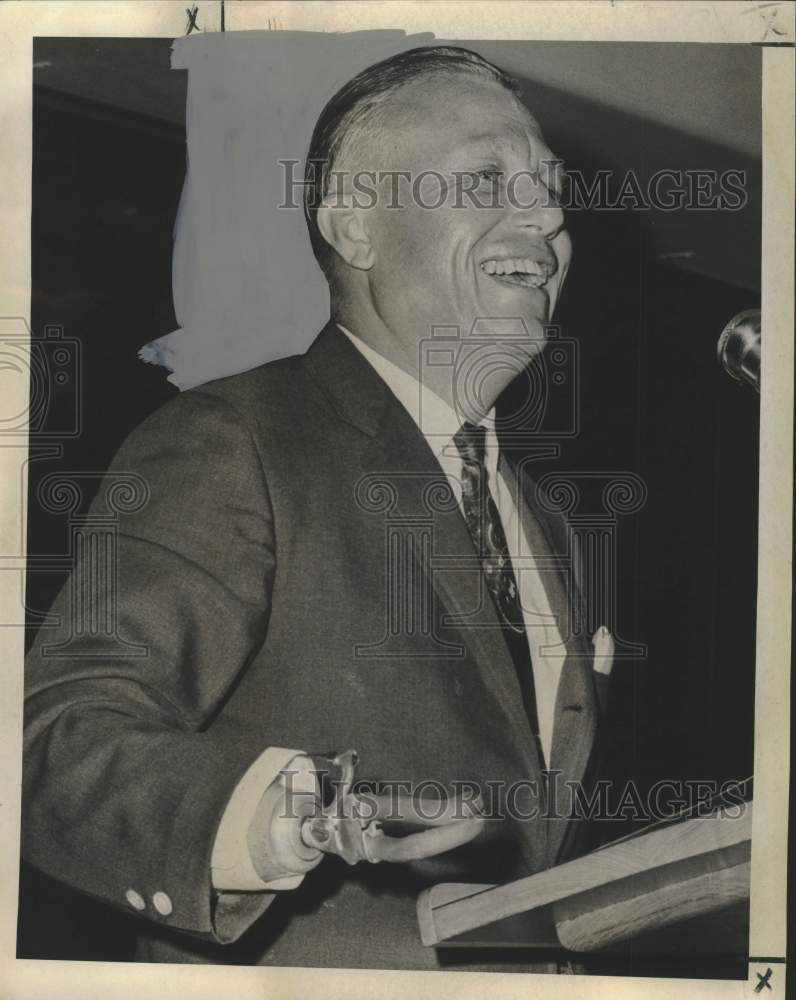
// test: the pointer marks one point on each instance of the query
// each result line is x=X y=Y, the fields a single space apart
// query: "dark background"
x=108 y=166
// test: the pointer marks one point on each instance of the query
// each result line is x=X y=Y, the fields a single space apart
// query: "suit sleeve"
x=125 y=778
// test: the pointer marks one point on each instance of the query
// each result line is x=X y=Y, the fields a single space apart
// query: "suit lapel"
x=576 y=706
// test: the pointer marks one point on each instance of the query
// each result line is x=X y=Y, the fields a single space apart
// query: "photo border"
x=588 y=20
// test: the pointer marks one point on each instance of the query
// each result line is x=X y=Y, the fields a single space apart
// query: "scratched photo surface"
x=325 y=461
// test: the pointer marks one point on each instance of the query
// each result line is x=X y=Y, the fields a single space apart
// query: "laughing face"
x=478 y=233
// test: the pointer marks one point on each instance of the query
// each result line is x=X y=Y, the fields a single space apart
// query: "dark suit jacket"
x=257 y=576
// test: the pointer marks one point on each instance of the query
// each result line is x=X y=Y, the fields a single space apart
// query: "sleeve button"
x=162 y=903
x=135 y=899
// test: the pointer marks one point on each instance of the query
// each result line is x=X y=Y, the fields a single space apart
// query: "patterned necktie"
x=489 y=540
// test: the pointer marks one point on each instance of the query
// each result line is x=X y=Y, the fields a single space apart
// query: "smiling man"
x=337 y=554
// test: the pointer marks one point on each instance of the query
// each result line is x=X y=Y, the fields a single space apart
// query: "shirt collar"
x=436 y=420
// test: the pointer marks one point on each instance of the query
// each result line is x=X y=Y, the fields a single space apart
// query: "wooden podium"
x=698 y=868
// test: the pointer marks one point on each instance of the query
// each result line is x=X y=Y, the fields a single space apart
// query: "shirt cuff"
x=231 y=865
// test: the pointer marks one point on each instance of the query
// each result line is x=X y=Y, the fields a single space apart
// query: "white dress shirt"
x=231 y=864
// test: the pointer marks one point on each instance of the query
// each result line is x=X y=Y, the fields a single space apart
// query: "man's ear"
x=343 y=229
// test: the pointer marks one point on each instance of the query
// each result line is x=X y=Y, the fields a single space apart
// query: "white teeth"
x=514 y=265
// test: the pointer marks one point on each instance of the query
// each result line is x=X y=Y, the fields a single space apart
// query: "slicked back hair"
x=357 y=105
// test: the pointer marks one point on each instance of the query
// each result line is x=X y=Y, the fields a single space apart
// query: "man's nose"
x=531 y=204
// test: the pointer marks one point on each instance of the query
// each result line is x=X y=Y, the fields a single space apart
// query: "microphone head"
x=738 y=348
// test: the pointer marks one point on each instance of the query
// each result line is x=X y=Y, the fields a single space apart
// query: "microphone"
x=738 y=348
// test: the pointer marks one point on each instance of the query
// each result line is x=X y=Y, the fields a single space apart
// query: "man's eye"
x=491 y=174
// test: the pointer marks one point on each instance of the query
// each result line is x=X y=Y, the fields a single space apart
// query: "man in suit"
x=336 y=554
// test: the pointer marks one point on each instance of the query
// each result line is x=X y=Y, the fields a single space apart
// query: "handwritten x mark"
x=192 y=13
x=763 y=981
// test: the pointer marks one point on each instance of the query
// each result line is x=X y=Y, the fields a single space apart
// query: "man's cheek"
x=412 y=246
x=402 y=253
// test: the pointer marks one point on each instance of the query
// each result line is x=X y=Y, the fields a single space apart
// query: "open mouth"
x=521 y=271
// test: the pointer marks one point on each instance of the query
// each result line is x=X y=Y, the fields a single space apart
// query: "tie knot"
x=470 y=439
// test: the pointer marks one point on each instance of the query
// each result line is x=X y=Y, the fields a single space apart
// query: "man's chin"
x=529 y=304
